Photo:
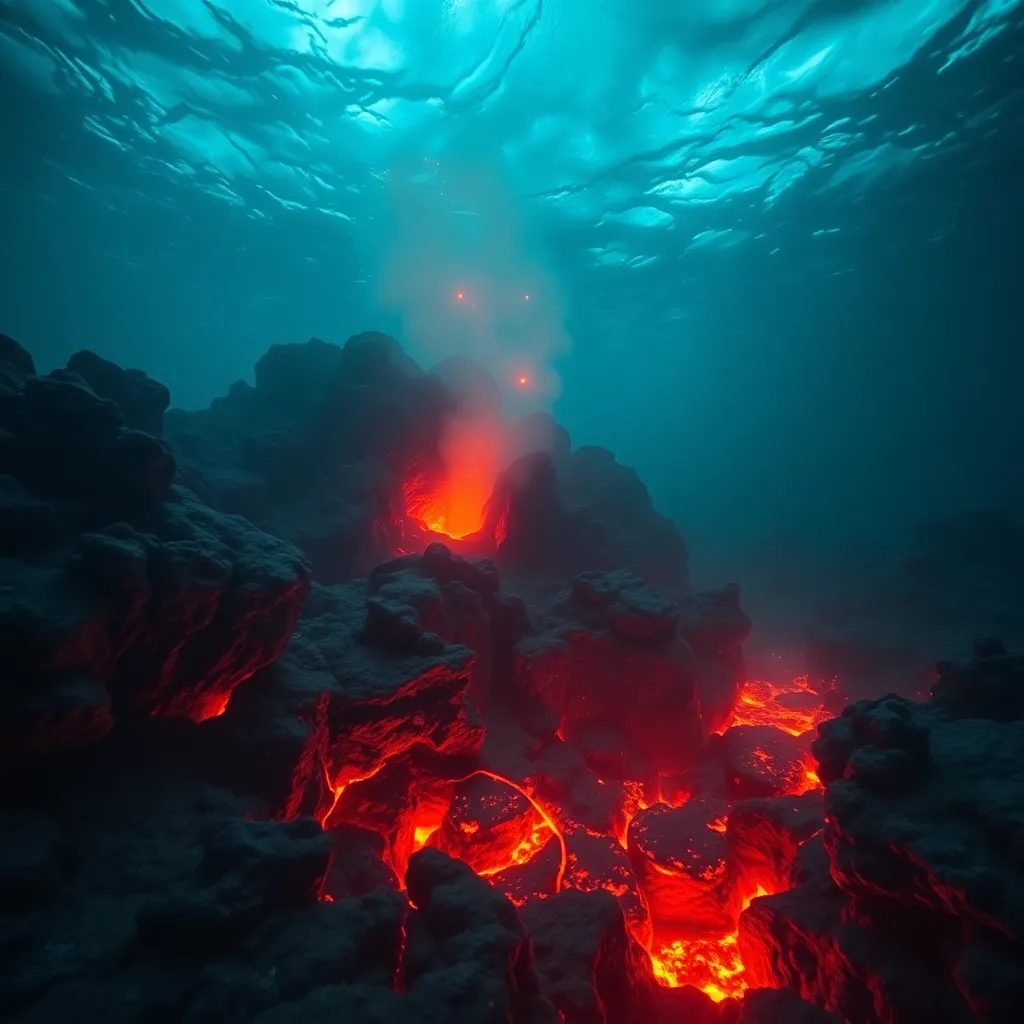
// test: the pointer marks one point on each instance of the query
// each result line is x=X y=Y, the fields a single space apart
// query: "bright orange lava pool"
x=712 y=964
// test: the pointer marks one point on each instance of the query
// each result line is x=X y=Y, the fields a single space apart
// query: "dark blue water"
x=768 y=251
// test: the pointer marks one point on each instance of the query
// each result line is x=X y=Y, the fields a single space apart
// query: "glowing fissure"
x=710 y=962
x=452 y=500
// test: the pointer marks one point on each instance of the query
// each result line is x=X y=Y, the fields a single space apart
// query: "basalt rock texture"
x=233 y=795
x=330 y=444
x=614 y=663
x=120 y=593
x=912 y=907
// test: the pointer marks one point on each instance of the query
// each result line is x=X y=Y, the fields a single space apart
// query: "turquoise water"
x=765 y=250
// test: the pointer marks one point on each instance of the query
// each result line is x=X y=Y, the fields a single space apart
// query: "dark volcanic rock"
x=118 y=591
x=596 y=515
x=248 y=870
x=485 y=824
x=911 y=904
x=586 y=667
x=599 y=862
x=766 y=835
x=344 y=700
x=468 y=957
x=142 y=401
x=318 y=450
x=763 y=761
x=357 y=864
x=589 y=965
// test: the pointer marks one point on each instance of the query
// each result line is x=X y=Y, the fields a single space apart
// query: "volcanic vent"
x=609 y=743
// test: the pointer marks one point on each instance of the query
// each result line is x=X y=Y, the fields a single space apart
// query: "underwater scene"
x=511 y=511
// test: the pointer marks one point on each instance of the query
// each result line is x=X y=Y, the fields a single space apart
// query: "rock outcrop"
x=910 y=905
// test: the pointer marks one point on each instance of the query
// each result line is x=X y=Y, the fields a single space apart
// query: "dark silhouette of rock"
x=913 y=905
x=589 y=965
x=609 y=661
x=331 y=444
x=142 y=401
x=121 y=593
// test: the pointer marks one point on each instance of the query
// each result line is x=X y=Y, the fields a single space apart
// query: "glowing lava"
x=538 y=835
x=792 y=707
x=712 y=965
x=453 y=503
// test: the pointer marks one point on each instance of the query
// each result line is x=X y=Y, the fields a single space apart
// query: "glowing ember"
x=522 y=840
x=793 y=706
x=215 y=706
x=712 y=965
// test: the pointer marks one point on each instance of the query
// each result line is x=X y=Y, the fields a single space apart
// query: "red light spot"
x=523 y=381
x=459 y=296
x=453 y=504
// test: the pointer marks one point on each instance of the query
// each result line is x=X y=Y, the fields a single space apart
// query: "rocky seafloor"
x=272 y=752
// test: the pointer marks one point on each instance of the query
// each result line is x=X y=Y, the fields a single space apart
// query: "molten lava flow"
x=792 y=707
x=712 y=965
x=528 y=850
x=453 y=503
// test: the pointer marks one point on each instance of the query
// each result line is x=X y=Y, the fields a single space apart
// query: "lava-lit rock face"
x=355 y=454
x=912 y=907
x=122 y=594
x=682 y=861
x=417 y=797
x=610 y=631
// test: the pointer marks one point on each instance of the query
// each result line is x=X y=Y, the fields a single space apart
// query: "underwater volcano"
x=310 y=717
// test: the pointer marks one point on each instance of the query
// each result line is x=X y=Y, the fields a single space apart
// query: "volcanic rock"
x=589 y=965
x=763 y=761
x=316 y=451
x=353 y=942
x=338 y=707
x=248 y=870
x=467 y=954
x=597 y=642
x=912 y=896
x=486 y=823
x=123 y=593
x=766 y=835
x=357 y=864
x=684 y=866
x=715 y=627
x=142 y=401
x=564 y=780
x=598 y=862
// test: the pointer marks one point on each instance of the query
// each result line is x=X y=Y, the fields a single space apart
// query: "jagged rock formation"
x=322 y=451
x=121 y=593
x=909 y=905
x=415 y=796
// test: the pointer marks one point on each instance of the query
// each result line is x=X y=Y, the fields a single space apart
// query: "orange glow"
x=214 y=706
x=459 y=296
x=547 y=819
x=453 y=504
x=335 y=789
x=422 y=834
x=712 y=965
x=708 y=960
x=793 y=707
x=523 y=380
